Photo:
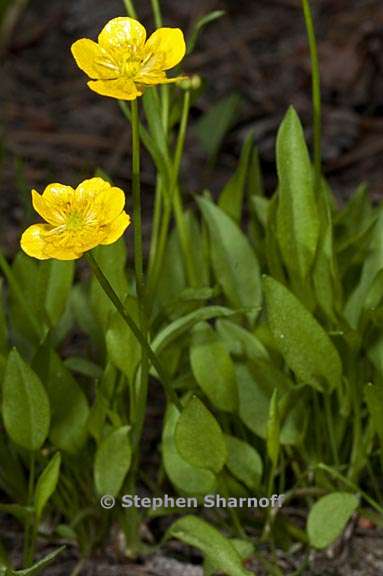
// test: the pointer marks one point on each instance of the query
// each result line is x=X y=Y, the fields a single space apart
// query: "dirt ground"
x=54 y=129
x=358 y=553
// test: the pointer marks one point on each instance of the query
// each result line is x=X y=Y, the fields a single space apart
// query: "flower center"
x=74 y=221
x=131 y=67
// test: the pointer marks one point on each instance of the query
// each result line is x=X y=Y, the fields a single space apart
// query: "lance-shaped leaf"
x=304 y=344
x=297 y=216
x=25 y=404
x=234 y=261
x=199 y=438
x=213 y=368
x=218 y=550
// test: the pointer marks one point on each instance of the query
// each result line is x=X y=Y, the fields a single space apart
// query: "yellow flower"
x=77 y=219
x=123 y=62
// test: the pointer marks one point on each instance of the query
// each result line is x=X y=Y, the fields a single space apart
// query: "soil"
x=358 y=553
x=54 y=129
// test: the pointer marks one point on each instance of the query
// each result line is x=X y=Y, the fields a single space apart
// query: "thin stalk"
x=351 y=485
x=316 y=91
x=141 y=389
x=156 y=13
x=156 y=223
x=137 y=219
x=30 y=529
x=176 y=201
x=156 y=9
x=130 y=9
x=330 y=428
x=175 y=190
x=109 y=291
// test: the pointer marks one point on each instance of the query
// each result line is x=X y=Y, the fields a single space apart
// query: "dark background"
x=55 y=129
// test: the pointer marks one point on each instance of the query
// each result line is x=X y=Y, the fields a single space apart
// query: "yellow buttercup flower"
x=77 y=219
x=124 y=62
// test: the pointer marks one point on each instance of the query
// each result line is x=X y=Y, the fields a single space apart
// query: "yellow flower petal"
x=116 y=229
x=32 y=241
x=94 y=60
x=53 y=203
x=123 y=88
x=167 y=47
x=122 y=34
x=41 y=241
x=156 y=78
x=102 y=202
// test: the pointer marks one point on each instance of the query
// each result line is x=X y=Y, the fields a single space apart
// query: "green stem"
x=176 y=201
x=156 y=9
x=351 y=485
x=140 y=391
x=157 y=13
x=131 y=11
x=330 y=428
x=109 y=291
x=316 y=92
x=156 y=223
x=136 y=191
x=30 y=529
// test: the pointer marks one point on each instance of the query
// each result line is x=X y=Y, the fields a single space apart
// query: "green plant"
x=269 y=329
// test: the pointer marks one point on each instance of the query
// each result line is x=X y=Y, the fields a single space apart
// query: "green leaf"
x=12 y=479
x=69 y=405
x=328 y=518
x=240 y=341
x=213 y=368
x=212 y=127
x=26 y=410
x=112 y=260
x=297 y=217
x=22 y=513
x=374 y=399
x=112 y=462
x=301 y=339
x=58 y=287
x=194 y=426
x=255 y=388
x=200 y=25
x=231 y=197
x=218 y=550
x=172 y=279
x=79 y=303
x=46 y=485
x=39 y=567
x=122 y=346
x=234 y=261
x=83 y=366
x=370 y=274
x=245 y=549
x=244 y=462
x=22 y=305
x=153 y=113
x=325 y=273
x=173 y=331
x=183 y=475
x=4 y=346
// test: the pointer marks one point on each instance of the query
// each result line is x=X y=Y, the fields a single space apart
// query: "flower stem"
x=157 y=13
x=316 y=92
x=30 y=530
x=140 y=391
x=136 y=190
x=176 y=201
x=131 y=11
x=109 y=291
